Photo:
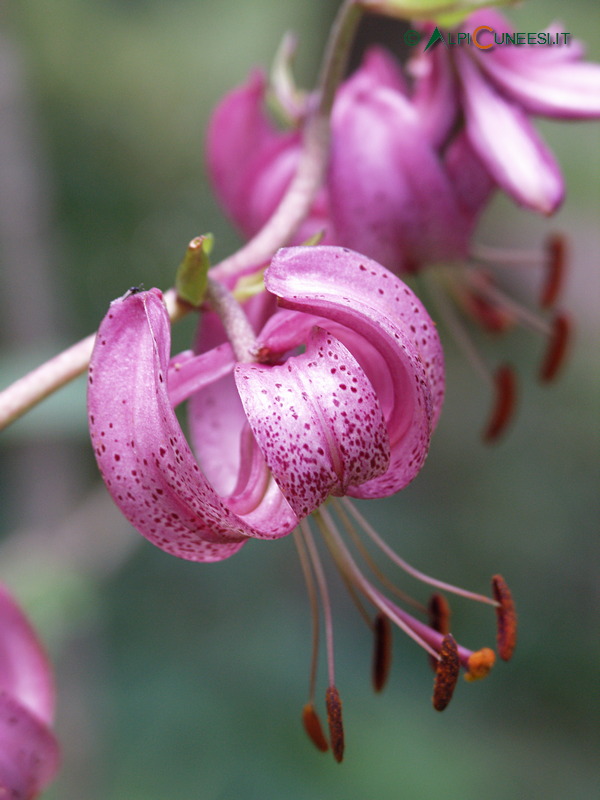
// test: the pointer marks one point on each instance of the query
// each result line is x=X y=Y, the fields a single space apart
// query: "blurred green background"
x=182 y=680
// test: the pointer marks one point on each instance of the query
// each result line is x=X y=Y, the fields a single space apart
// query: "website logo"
x=485 y=37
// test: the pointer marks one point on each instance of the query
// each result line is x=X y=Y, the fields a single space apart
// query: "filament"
x=415 y=573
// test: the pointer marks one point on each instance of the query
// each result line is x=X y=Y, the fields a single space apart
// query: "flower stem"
x=52 y=375
x=236 y=324
x=312 y=164
x=34 y=387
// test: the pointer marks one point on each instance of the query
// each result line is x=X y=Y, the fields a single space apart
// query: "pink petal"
x=382 y=69
x=508 y=145
x=189 y=373
x=239 y=132
x=390 y=200
x=141 y=451
x=215 y=414
x=317 y=421
x=360 y=297
x=29 y=754
x=563 y=89
x=251 y=163
x=25 y=672
x=472 y=182
x=539 y=53
x=435 y=95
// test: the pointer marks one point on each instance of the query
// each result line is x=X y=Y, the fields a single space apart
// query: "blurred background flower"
x=184 y=680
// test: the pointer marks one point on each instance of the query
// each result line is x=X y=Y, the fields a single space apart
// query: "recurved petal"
x=317 y=420
x=190 y=373
x=435 y=94
x=382 y=69
x=508 y=145
x=472 y=182
x=361 y=297
x=560 y=88
x=25 y=672
x=29 y=753
x=143 y=456
x=390 y=200
x=239 y=132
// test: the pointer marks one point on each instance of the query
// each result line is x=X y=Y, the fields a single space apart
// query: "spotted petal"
x=29 y=753
x=143 y=456
x=317 y=420
x=363 y=302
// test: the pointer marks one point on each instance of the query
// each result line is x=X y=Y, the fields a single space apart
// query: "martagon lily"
x=352 y=414
x=495 y=88
x=337 y=396
x=29 y=753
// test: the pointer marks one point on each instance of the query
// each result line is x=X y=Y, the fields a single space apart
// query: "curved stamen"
x=313 y=728
x=314 y=610
x=381 y=577
x=415 y=573
x=558 y=347
x=503 y=300
x=446 y=675
x=461 y=336
x=507 y=618
x=505 y=384
x=324 y=593
x=382 y=653
x=557 y=257
x=503 y=257
x=346 y=564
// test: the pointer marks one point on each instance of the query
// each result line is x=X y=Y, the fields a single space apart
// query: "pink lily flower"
x=337 y=399
x=29 y=754
x=496 y=90
x=389 y=192
x=351 y=415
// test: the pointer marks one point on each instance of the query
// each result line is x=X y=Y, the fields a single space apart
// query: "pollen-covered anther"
x=557 y=349
x=439 y=613
x=556 y=255
x=439 y=619
x=480 y=663
x=334 y=718
x=382 y=652
x=505 y=402
x=506 y=617
x=446 y=675
x=313 y=727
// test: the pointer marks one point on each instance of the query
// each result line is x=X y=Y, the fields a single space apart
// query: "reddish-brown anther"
x=334 y=718
x=505 y=402
x=557 y=348
x=490 y=315
x=313 y=727
x=382 y=652
x=556 y=253
x=439 y=619
x=439 y=613
x=506 y=616
x=446 y=674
